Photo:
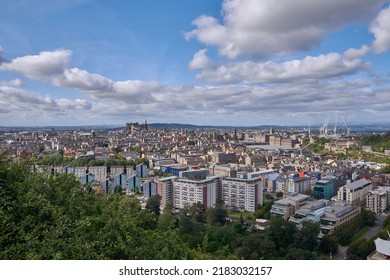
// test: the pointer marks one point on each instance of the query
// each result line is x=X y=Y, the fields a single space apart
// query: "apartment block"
x=187 y=192
x=165 y=190
x=242 y=194
x=378 y=200
x=355 y=193
x=100 y=172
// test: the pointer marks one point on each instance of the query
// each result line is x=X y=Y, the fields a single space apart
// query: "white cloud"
x=380 y=27
x=319 y=67
x=266 y=28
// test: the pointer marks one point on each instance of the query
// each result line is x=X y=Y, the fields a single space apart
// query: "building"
x=142 y=170
x=378 y=200
x=324 y=189
x=165 y=190
x=281 y=185
x=223 y=157
x=133 y=184
x=329 y=214
x=355 y=193
x=242 y=194
x=299 y=185
x=194 y=174
x=87 y=179
x=187 y=192
x=80 y=171
x=287 y=206
x=382 y=250
x=100 y=172
x=223 y=170
x=149 y=189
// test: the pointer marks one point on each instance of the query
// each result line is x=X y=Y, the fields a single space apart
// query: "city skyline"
x=231 y=62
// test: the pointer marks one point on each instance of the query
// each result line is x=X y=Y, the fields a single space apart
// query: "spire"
x=146 y=125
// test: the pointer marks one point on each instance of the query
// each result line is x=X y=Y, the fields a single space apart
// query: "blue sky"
x=231 y=62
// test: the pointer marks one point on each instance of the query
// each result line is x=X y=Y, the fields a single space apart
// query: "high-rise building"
x=242 y=194
x=187 y=192
x=165 y=190
x=324 y=189
x=378 y=200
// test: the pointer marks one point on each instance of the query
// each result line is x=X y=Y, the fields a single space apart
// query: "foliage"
x=153 y=204
x=328 y=244
x=53 y=217
x=359 y=250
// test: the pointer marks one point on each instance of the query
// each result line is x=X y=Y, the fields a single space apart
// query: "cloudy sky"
x=230 y=62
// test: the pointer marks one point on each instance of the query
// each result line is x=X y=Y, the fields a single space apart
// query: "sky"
x=204 y=62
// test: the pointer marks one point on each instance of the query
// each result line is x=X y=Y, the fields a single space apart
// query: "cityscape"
x=337 y=182
x=195 y=130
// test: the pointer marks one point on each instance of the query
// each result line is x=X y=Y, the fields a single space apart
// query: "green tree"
x=217 y=215
x=306 y=236
x=360 y=249
x=328 y=244
x=282 y=234
x=153 y=204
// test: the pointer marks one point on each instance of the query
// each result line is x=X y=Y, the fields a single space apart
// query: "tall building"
x=324 y=189
x=149 y=189
x=142 y=170
x=378 y=200
x=100 y=172
x=242 y=194
x=355 y=193
x=165 y=190
x=187 y=192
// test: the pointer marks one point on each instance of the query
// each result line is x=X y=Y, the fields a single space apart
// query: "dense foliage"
x=53 y=217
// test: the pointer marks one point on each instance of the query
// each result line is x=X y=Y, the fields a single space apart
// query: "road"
x=342 y=254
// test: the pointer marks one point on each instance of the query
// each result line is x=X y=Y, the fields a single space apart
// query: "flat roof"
x=358 y=184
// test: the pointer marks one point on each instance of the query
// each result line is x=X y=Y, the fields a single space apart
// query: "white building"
x=100 y=172
x=355 y=193
x=187 y=192
x=242 y=194
x=299 y=184
x=378 y=200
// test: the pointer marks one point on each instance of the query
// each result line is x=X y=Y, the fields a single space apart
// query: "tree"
x=217 y=215
x=386 y=222
x=368 y=217
x=328 y=244
x=281 y=233
x=279 y=194
x=306 y=237
x=153 y=204
x=167 y=220
x=360 y=249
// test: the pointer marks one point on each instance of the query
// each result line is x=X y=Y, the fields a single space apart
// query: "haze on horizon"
x=230 y=62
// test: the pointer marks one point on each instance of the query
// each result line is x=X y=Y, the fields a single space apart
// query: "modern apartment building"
x=165 y=190
x=378 y=200
x=242 y=194
x=299 y=184
x=355 y=193
x=100 y=172
x=187 y=192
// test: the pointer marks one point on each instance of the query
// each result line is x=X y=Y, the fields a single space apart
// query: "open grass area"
x=359 y=234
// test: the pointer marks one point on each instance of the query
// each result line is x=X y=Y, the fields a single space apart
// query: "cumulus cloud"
x=319 y=67
x=380 y=29
x=14 y=98
x=266 y=28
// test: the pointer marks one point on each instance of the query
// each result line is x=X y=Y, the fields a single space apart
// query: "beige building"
x=242 y=194
x=355 y=193
x=378 y=200
x=287 y=206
